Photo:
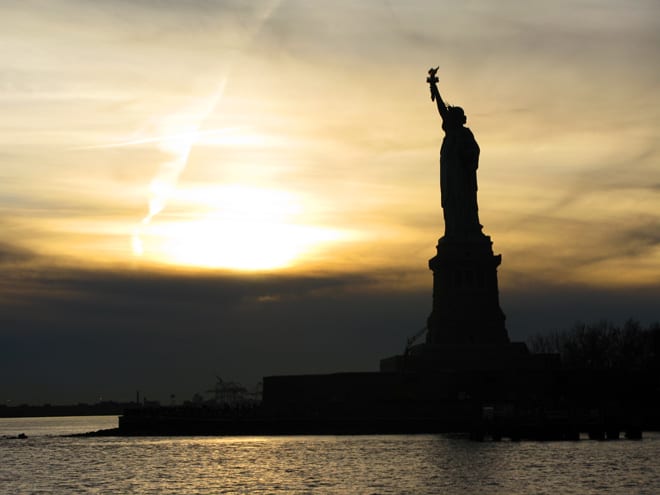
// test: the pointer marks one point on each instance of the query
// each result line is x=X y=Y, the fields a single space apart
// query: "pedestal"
x=466 y=306
x=466 y=329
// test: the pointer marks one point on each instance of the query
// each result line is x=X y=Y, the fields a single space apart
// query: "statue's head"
x=456 y=116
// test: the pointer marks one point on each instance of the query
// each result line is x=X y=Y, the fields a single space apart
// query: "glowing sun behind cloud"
x=233 y=227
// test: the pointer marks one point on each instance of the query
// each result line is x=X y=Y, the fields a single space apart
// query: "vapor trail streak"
x=162 y=185
x=158 y=139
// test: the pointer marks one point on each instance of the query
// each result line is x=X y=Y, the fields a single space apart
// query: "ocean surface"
x=47 y=463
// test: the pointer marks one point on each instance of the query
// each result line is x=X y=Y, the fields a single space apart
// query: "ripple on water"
x=349 y=464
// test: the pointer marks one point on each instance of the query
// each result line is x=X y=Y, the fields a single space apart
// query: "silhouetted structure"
x=466 y=328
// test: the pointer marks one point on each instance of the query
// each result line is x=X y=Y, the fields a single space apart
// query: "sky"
x=248 y=188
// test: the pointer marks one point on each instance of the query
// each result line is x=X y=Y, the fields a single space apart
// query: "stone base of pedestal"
x=466 y=329
x=466 y=309
x=429 y=358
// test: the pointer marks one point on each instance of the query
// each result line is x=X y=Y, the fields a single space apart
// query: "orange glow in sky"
x=269 y=135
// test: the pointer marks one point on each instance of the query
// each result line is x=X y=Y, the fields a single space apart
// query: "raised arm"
x=435 y=93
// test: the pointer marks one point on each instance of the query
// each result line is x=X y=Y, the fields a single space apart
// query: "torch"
x=432 y=79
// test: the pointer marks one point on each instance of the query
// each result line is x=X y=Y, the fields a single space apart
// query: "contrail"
x=157 y=139
x=180 y=143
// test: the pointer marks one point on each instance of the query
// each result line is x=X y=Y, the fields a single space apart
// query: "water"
x=401 y=464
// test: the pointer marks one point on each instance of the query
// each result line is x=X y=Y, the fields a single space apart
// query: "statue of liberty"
x=459 y=159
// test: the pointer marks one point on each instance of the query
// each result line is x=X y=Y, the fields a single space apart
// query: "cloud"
x=168 y=332
x=11 y=255
x=618 y=177
x=72 y=333
x=534 y=308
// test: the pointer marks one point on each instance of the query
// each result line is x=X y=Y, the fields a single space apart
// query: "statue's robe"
x=459 y=159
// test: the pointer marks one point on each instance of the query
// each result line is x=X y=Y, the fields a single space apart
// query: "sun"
x=233 y=227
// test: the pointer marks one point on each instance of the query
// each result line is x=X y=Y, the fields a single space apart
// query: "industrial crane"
x=227 y=392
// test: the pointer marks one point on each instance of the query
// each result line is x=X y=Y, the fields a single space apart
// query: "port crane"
x=227 y=392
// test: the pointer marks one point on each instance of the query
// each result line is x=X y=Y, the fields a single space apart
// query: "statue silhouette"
x=459 y=159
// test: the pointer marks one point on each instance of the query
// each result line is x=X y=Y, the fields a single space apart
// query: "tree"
x=603 y=345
